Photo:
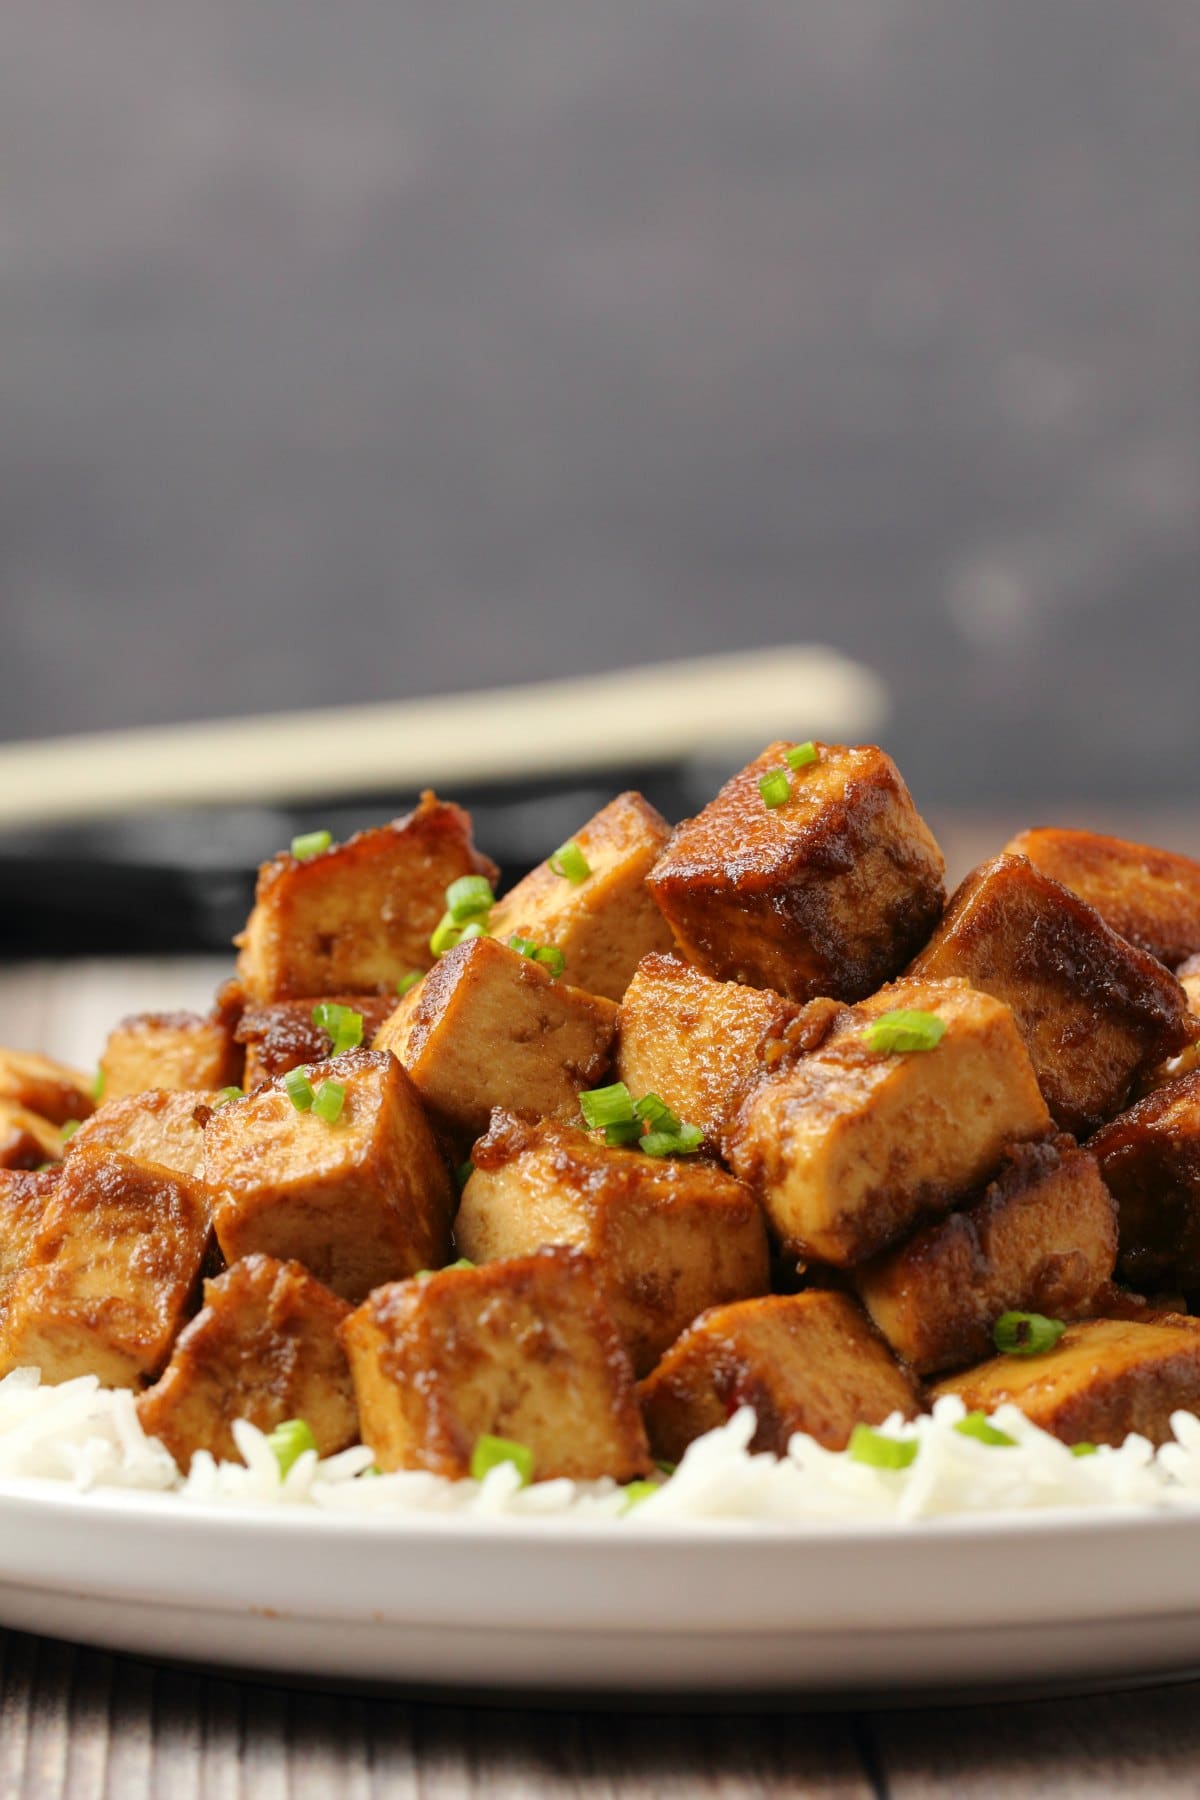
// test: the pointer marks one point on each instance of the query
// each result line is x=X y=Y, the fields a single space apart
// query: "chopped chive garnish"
x=464 y=1262
x=774 y=787
x=289 y=1441
x=1083 y=1448
x=903 y=1031
x=684 y=1142
x=343 y=1024
x=68 y=1128
x=224 y=1095
x=801 y=755
x=409 y=981
x=470 y=897
x=310 y=843
x=549 y=955
x=1026 y=1333
x=369 y=1473
x=522 y=945
x=328 y=1101
x=880 y=1452
x=298 y=1089
x=463 y=1174
x=977 y=1425
x=98 y=1080
x=445 y=936
x=607 y=1105
x=665 y=1468
x=490 y=1452
x=622 y=1132
x=657 y=1114
x=637 y=1491
x=570 y=862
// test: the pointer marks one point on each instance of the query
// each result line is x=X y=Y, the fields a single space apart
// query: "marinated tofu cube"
x=806 y=1362
x=829 y=893
x=1042 y=1238
x=607 y=922
x=1150 y=1160
x=45 y=1087
x=355 y=918
x=851 y=1146
x=1151 y=897
x=283 y=1035
x=157 y=1127
x=1188 y=976
x=489 y=1027
x=26 y=1139
x=23 y=1198
x=525 y=1350
x=667 y=1237
x=170 y=1050
x=360 y=1201
x=1093 y=1010
x=1103 y=1379
x=263 y=1347
x=112 y=1271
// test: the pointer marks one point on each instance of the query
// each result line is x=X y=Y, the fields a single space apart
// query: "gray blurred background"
x=360 y=350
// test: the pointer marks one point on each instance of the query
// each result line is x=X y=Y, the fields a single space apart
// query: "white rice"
x=89 y=1437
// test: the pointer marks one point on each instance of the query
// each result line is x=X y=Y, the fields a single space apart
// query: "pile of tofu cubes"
x=841 y=1207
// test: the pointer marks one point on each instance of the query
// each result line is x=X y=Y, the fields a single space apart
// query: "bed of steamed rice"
x=89 y=1437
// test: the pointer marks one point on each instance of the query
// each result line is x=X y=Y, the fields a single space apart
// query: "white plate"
x=1028 y=1598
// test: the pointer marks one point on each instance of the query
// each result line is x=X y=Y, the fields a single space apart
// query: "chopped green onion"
x=310 y=844
x=464 y=1262
x=523 y=946
x=774 y=787
x=490 y=1452
x=666 y=1468
x=470 y=897
x=637 y=1491
x=607 y=1105
x=289 y=1441
x=298 y=1089
x=409 y=981
x=445 y=936
x=801 y=755
x=903 y=1031
x=976 y=1425
x=371 y=1470
x=622 y=1132
x=570 y=862
x=98 y=1080
x=476 y=929
x=1083 y=1448
x=224 y=1095
x=328 y=1101
x=880 y=1452
x=684 y=1142
x=1026 y=1333
x=343 y=1024
x=657 y=1114
x=463 y=1174
x=68 y=1128
x=549 y=954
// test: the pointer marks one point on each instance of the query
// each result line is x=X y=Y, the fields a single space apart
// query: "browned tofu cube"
x=358 y=916
x=1150 y=1159
x=26 y=1139
x=1093 y=1010
x=113 y=1268
x=157 y=1127
x=23 y=1198
x=45 y=1087
x=850 y=1147
x=170 y=1050
x=1042 y=1238
x=806 y=1362
x=667 y=1237
x=605 y=924
x=524 y=1350
x=364 y=1200
x=1151 y=897
x=489 y=1027
x=1188 y=976
x=263 y=1347
x=829 y=893
x=282 y=1035
x=1103 y=1379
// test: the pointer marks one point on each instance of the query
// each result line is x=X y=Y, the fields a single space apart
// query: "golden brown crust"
x=1150 y=1159
x=280 y=1035
x=26 y=1139
x=156 y=1127
x=170 y=1050
x=1151 y=897
x=45 y=1087
x=23 y=1199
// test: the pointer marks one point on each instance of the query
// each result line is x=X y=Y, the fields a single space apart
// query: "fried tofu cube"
x=23 y=1198
x=667 y=1238
x=1103 y=1379
x=355 y=918
x=605 y=924
x=850 y=1147
x=829 y=893
x=1150 y=1160
x=26 y=1139
x=157 y=1127
x=524 y=1349
x=1093 y=1010
x=170 y=1050
x=112 y=1270
x=489 y=1027
x=263 y=1347
x=1041 y=1238
x=281 y=1035
x=361 y=1201
x=44 y=1086
x=806 y=1362
x=1151 y=897
x=1188 y=976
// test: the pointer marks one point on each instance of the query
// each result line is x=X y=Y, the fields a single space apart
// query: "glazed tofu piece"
x=1188 y=976
x=282 y=1035
x=26 y=1139
x=829 y=893
x=806 y=1362
x=43 y=1086
x=1103 y=1379
x=23 y=1199
x=157 y=1127
x=1150 y=1160
x=667 y=1237
x=263 y=1347
x=170 y=1050
x=606 y=923
x=112 y=1270
x=489 y=1027
x=524 y=1349
x=1151 y=897
x=1041 y=1238
x=355 y=918
x=364 y=1200
x=1095 y=1012
x=849 y=1147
